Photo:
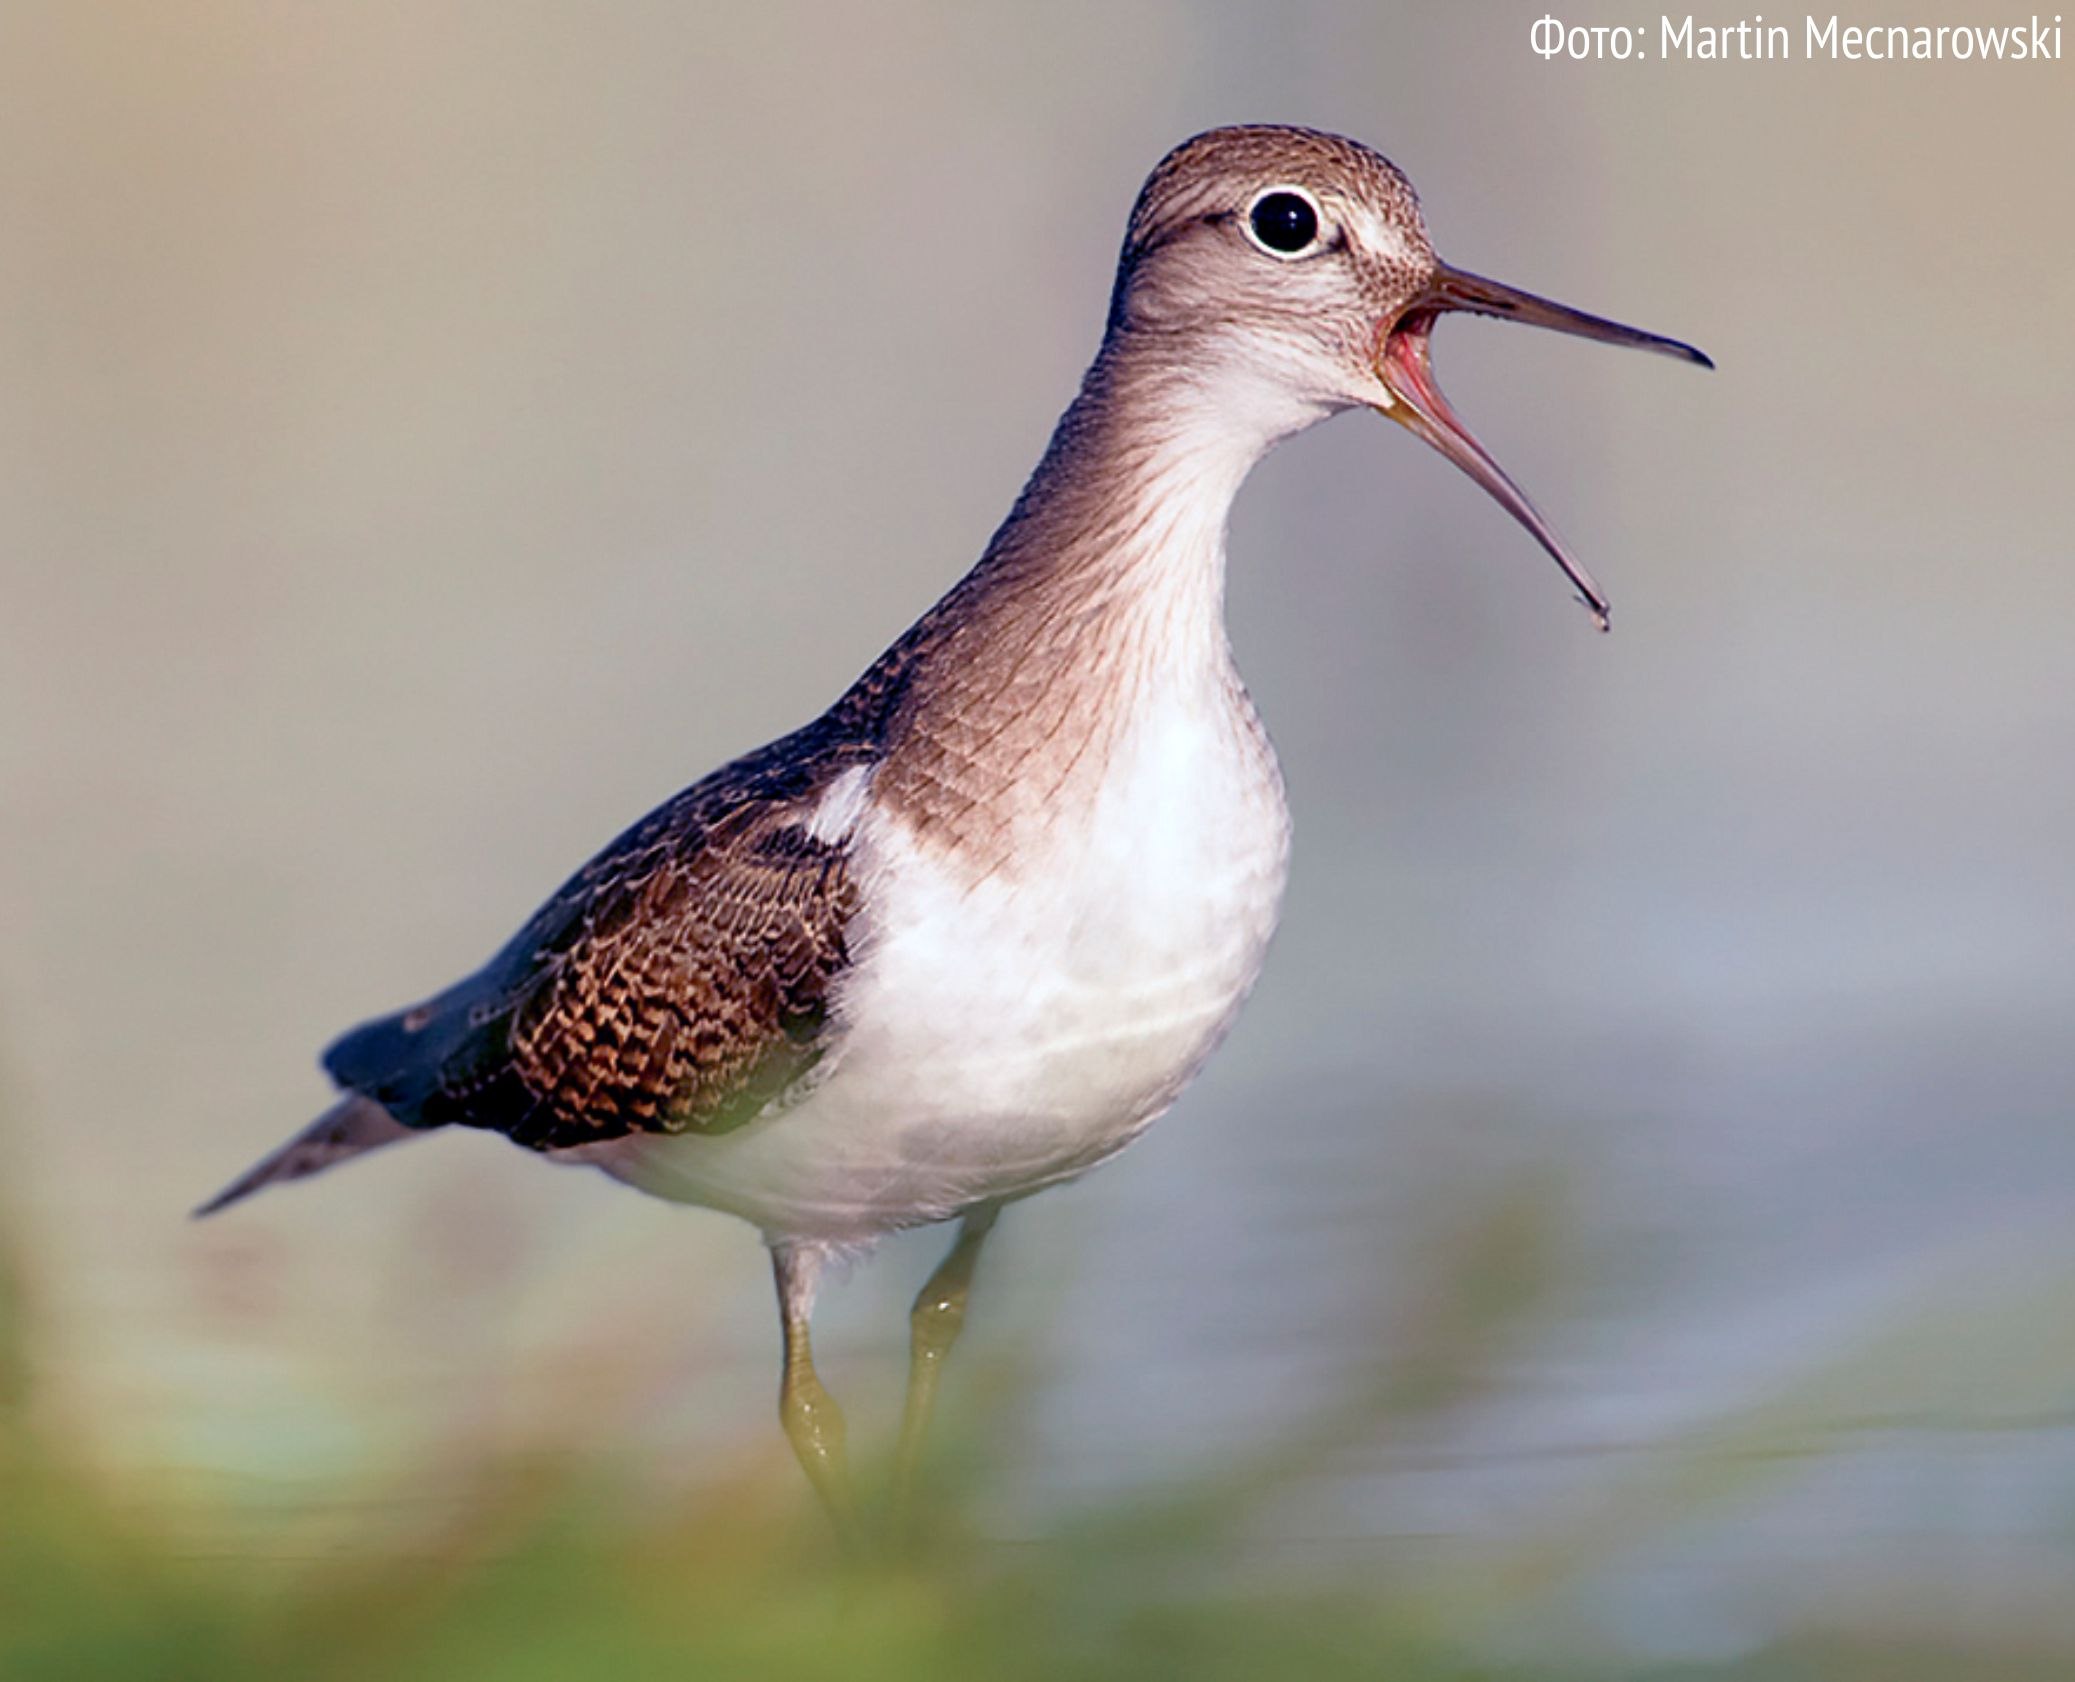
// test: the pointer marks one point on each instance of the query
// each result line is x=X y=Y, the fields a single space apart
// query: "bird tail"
x=351 y=1127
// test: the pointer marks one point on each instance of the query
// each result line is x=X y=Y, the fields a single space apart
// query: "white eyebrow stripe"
x=1375 y=233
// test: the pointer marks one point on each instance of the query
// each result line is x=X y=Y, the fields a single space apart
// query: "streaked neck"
x=1104 y=585
x=1136 y=487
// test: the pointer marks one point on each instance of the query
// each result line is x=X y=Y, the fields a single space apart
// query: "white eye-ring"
x=1285 y=222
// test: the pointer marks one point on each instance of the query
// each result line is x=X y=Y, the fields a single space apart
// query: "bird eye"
x=1284 y=222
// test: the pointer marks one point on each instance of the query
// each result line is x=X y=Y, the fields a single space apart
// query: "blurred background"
x=1632 y=1231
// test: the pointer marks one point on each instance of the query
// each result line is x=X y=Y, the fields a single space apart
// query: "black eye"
x=1284 y=222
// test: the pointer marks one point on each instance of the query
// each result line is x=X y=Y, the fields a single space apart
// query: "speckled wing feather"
x=678 y=983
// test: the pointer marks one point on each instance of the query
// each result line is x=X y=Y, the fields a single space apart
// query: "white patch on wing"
x=842 y=803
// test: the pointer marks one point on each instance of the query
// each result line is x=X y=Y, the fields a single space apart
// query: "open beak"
x=1405 y=365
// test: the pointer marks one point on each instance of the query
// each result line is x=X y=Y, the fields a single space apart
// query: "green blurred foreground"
x=542 y=1569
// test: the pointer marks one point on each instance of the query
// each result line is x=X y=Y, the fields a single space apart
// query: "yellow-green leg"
x=809 y=1413
x=934 y=1324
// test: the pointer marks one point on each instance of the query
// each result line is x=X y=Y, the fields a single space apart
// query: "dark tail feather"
x=350 y=1127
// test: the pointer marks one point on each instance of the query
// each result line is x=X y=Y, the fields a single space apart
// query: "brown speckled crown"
x=1207 y=181
x=1206 y=173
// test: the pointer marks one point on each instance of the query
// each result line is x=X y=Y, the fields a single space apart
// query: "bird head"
x=1293 y=270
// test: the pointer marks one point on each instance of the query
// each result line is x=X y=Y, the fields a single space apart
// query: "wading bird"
x=966 y=934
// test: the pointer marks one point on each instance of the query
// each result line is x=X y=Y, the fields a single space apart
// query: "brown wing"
x=677 y=983
x=694 y=990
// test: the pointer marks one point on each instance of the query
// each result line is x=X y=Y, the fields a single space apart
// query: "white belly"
x=997 y=1036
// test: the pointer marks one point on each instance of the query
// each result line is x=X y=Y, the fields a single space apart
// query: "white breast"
x=1000 y=1034
x=1019 y=1007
